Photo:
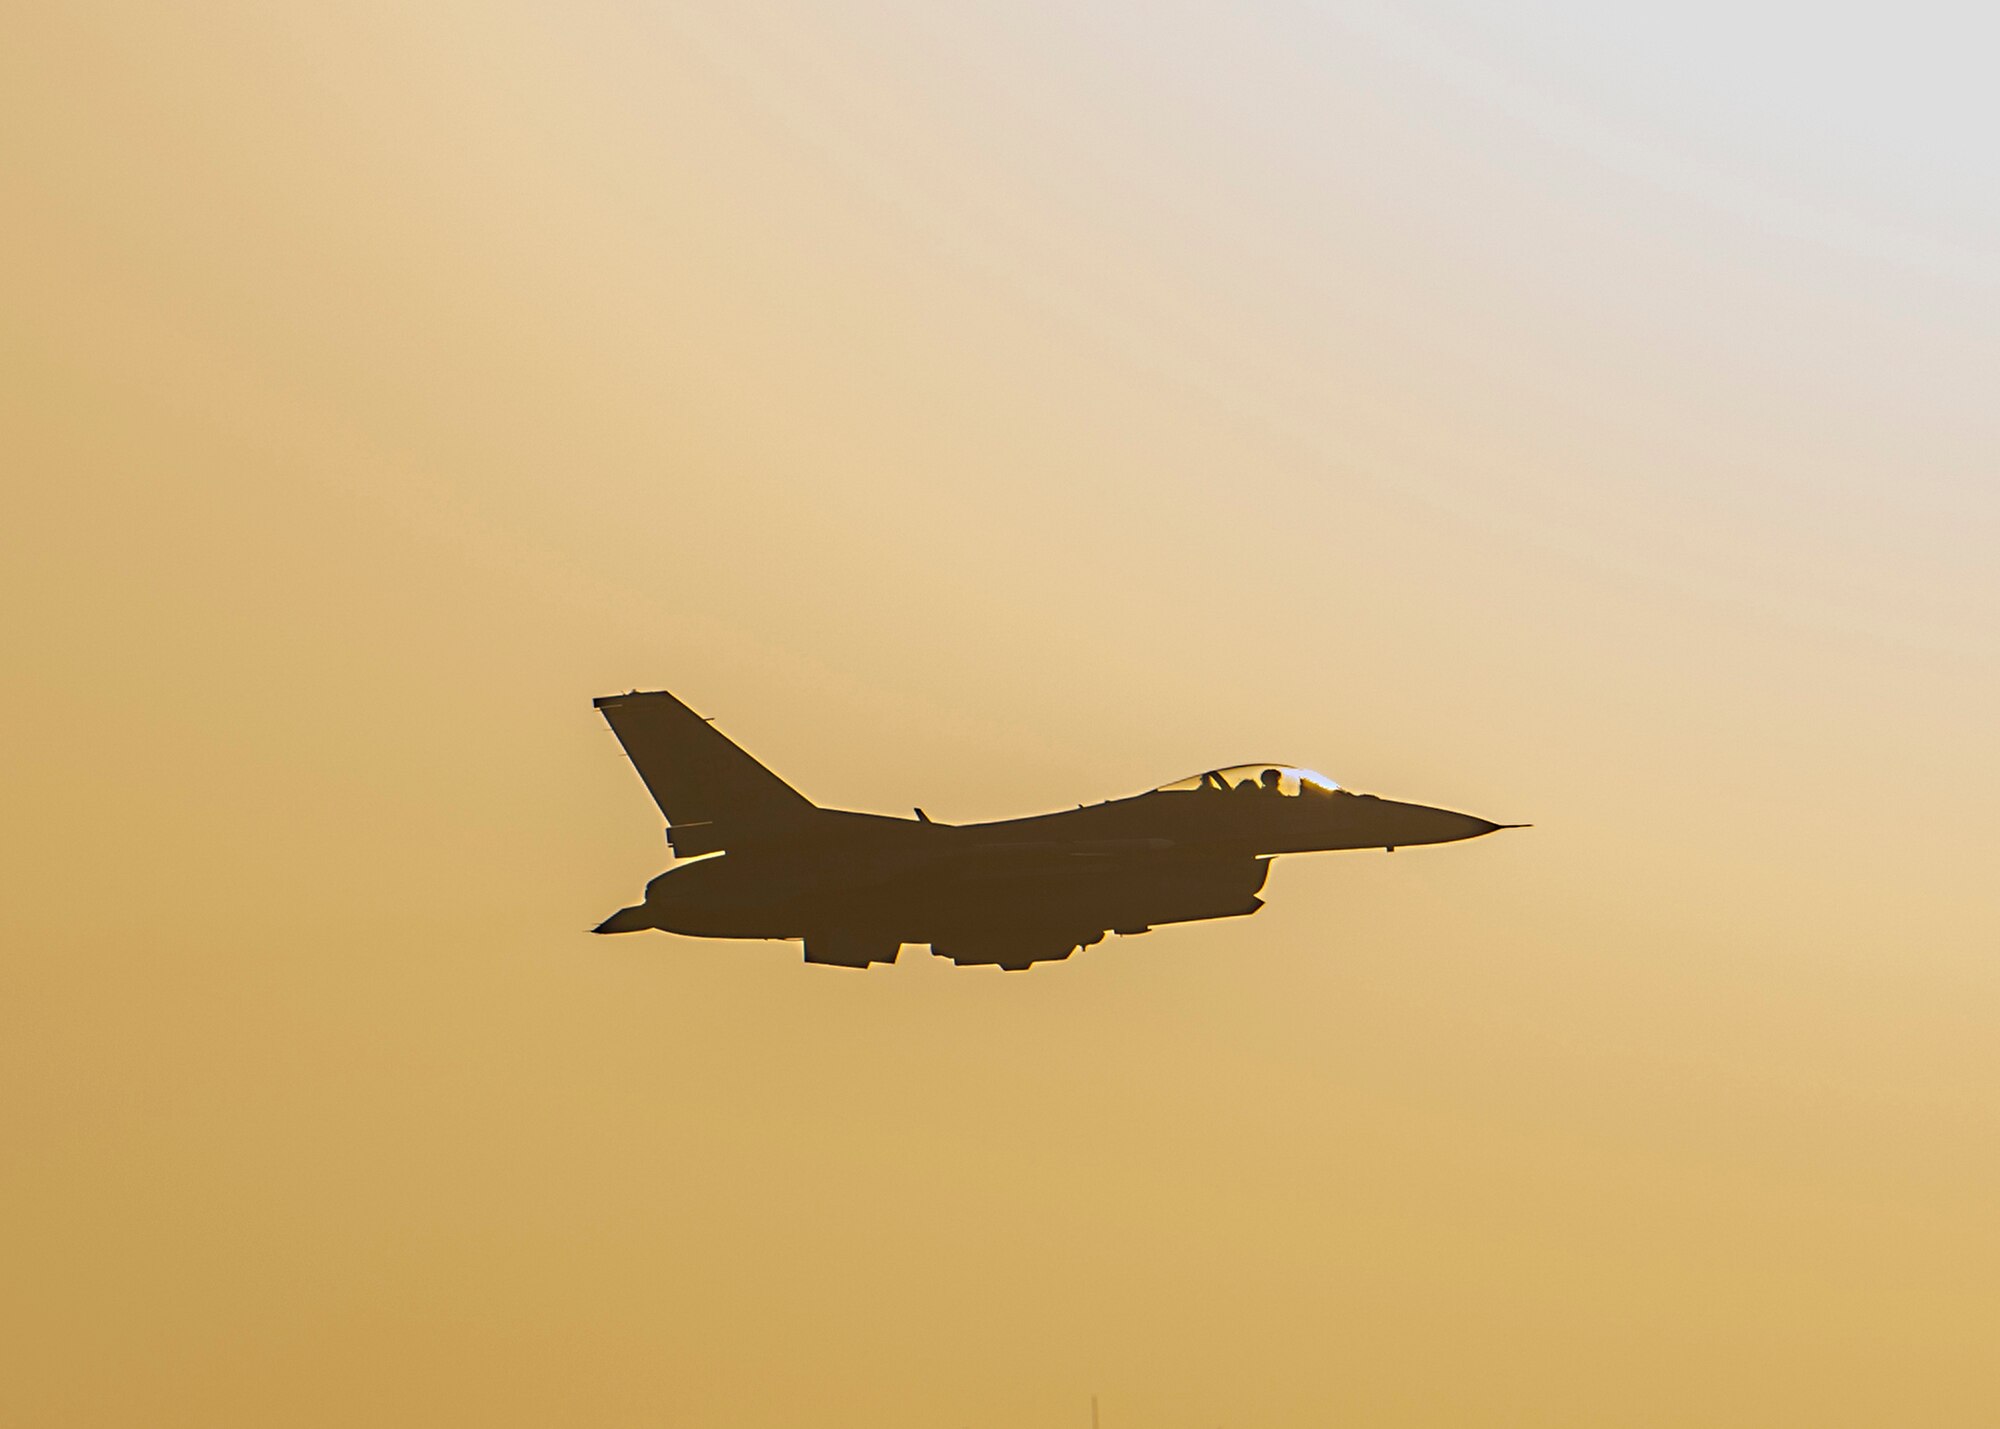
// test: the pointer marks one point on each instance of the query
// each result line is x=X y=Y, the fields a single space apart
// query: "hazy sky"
x=1572 y=414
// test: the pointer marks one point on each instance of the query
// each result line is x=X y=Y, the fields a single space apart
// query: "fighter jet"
x=757 y=859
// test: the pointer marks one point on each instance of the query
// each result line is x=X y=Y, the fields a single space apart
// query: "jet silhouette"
x=760 y=860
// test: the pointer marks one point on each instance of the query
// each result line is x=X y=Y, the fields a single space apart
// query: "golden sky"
x=1563 y=414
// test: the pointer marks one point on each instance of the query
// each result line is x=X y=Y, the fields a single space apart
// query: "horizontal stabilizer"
x=626 y=920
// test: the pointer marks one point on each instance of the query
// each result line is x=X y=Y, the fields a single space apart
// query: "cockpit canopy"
x=1285 y=780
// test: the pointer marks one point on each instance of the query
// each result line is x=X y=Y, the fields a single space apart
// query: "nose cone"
x=1452 y=826
x=1420 y=824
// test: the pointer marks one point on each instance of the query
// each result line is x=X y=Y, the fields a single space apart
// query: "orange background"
x=1566 y=416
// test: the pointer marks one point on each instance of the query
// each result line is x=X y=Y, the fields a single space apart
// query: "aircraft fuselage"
x=759 y=861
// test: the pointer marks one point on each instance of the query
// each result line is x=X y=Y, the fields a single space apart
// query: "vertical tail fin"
x=693 y=771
